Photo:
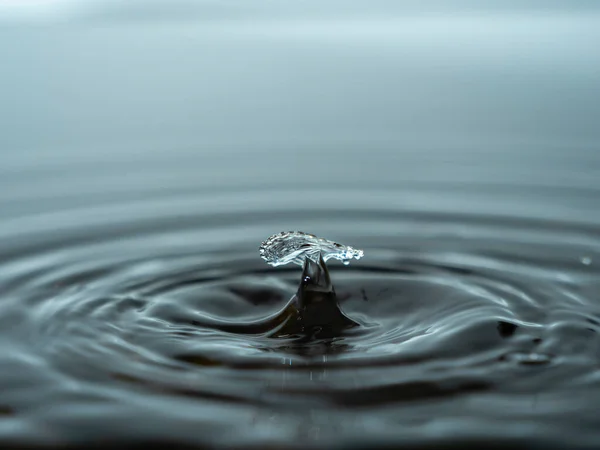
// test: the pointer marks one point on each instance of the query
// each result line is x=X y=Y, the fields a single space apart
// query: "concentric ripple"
x=151 y=319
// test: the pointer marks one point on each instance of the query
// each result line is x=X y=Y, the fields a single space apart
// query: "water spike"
x=315 y=276
x=314 y=311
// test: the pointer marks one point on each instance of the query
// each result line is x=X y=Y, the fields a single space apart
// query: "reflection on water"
x=146 y=153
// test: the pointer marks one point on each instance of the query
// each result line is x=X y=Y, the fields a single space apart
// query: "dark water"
x=146 y=153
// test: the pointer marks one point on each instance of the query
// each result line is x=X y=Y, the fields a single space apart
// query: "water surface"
x=145 y=157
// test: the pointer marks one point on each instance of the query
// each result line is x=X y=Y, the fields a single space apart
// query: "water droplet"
x=586 y=260
x=295 y=246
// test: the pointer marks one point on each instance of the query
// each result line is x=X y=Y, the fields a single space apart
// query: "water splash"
x=296 y=246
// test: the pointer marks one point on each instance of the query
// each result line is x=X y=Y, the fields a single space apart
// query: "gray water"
x=146 y=152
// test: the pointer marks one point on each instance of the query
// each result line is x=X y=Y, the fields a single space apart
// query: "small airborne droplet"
x=586 y=261
x=295 y=246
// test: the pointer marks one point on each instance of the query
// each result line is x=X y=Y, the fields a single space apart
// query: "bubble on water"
x=586 y=260
x=295 y=246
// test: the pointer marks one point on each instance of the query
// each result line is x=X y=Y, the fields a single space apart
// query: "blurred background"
x=107 y=98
